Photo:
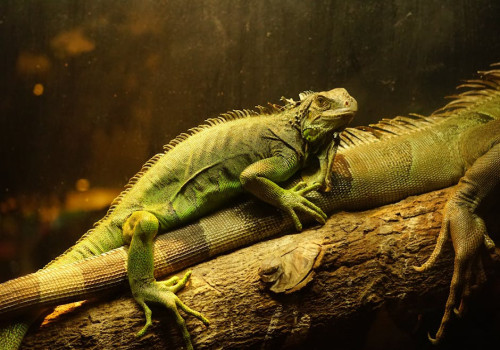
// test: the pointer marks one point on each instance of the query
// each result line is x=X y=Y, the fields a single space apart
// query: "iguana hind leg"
x=140 y=229
x=468 y=233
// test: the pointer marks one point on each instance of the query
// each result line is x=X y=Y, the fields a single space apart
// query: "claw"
x=489 y=244
x=298 y=186
x=434 y=341
x=420 y=268
x=159 y=293
x=302 y=188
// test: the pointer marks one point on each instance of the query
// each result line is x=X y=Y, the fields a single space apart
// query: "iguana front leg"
x=260 y=179
x=326 y=158
x=467 y=231
x=140 y=229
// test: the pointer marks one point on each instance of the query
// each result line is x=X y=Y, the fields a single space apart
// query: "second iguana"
x=200 y=171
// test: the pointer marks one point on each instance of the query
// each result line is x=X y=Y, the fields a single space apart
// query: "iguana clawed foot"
x=469 y=236
x=164 y=293
x=293 y=200
x=140 y=229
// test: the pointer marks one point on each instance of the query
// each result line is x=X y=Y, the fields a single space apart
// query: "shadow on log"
x=362 y=294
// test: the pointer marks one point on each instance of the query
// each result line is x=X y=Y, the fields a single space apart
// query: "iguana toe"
x=164 y=293
x=434 y=341
x=170 y=282
x=293 y=201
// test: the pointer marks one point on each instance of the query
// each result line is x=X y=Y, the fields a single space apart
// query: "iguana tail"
x=174 y=251
x=96 y=241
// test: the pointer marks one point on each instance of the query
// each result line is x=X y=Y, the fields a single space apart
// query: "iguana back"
x=198 y=174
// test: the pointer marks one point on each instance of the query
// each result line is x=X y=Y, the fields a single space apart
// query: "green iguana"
x=200 y=171
x=374 y=165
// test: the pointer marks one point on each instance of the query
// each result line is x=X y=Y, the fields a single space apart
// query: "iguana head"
x=324 y=114
x=322 y=117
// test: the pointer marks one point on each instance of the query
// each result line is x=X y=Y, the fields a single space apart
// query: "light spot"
x=72 y=43
x=82 y=185
x=38 y=89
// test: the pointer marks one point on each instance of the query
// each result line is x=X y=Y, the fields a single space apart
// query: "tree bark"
x=363 y=293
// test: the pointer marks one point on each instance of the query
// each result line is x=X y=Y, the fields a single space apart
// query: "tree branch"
x=363 y=292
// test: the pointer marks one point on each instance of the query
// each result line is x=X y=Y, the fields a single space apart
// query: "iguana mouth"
x=339 y=113
x=338 y=119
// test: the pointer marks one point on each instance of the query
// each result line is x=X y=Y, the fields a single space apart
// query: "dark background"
x=122 y=78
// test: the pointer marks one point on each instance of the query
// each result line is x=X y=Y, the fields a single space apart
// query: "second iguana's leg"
x=467 y=230
x=140 y=229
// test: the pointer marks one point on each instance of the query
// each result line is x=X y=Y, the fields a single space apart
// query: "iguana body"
x=374 y=166
x=202 y=170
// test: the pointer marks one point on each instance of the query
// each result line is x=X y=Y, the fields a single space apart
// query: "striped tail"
x=220 y=232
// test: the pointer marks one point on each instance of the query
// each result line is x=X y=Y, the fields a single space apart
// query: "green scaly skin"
x=375 y=165
x=201 y=171
x=141 y=229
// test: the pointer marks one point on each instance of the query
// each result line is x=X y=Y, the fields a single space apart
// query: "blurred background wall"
x=92 y=89
x=89 y=90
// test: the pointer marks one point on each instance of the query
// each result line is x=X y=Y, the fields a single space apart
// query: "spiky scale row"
x=488 y=87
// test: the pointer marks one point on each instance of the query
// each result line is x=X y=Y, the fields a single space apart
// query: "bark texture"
x=363 y=294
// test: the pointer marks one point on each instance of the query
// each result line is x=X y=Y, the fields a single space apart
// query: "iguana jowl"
x=202 y=170
x=374 y=166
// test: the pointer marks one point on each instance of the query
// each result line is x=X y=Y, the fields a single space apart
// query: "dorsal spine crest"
x=480 y=90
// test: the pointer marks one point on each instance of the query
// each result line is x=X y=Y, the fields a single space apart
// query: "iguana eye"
x=321 y=101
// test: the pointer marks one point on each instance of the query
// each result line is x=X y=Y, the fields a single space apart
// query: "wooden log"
x=363 y=293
